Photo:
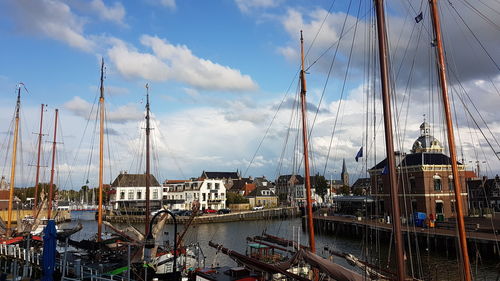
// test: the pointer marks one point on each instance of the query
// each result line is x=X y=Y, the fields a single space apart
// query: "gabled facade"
x=129 y=192
x=211 y=194
x=484 y=194
x=227 y=177
x=262 y=196
x=290 y=188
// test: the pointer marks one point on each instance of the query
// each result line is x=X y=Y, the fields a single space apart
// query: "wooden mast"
x=51 y=186
x=14 y=154
x=451 y=140
x=307 y=180
x=37 y=177
x=391 y=163
x=148 y=129
x=101 y=153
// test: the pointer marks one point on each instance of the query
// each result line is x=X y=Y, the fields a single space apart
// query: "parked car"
x=209 y=211
x=258 y=208
x=224 y=211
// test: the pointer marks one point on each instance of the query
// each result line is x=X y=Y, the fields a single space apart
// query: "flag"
x=359 y=154
x=385 y=171
x=419 y=17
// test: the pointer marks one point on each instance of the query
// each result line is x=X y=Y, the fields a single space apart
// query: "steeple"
x=344 y=175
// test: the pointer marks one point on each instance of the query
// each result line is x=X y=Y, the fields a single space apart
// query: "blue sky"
x=218 y=71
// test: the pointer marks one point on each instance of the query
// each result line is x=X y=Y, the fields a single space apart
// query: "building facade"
x=209 y=193
x=129 y=192
x=425 y=181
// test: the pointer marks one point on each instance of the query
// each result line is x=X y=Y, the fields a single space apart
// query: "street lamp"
x=150 y=242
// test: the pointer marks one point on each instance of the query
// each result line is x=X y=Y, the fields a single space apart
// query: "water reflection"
x=431 y=266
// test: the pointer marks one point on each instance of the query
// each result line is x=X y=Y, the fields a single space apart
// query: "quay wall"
x=264 y=214
x=443 y=240
x=61 y=216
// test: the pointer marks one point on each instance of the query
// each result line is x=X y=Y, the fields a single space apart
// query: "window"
x=450 y=183
x=130 y=195
x=155 y=194
x=204 y=196
x=413 y=185
x=439 y=207
x=138 y=195
x=122 y=195
x=209 y=185
x=437 y=183
x=222 y=195
x=452 y=206
x=217 y=185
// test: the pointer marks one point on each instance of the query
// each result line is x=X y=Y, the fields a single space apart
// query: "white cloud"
x=168 y=3
x=121 y=115
x=248 y=5
x=115 y=13
x=53 y=19
x=131 y=63
x=176 y=62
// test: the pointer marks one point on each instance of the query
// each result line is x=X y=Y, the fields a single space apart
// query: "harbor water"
x=427 y=265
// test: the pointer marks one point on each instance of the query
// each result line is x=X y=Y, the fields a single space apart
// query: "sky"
x=223 y=83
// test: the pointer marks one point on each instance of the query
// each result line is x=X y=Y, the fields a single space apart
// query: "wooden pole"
x=51 y=186
x=451 y=140
x=101 y=153
x=37 y=177
x=389 y=144
x=13 y=169
x=307 y=180
x=148 y=129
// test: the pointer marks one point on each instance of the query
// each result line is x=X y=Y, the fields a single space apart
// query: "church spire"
x=344 y=175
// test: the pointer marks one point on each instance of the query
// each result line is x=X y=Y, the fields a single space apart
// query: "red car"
x=209 y=211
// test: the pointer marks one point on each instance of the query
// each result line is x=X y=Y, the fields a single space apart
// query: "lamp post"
x=150 y=242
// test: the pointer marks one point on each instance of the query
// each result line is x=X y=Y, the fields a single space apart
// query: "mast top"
x=102 y=78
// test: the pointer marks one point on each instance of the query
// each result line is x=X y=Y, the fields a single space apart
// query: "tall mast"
x=13 y=169
x=451 y=140
x=389 y=144
x=101 y=152
x=310 y=227
x=51 y=186
x=148 y=129
x=37 y=177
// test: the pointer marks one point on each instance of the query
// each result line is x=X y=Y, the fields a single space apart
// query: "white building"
x=128 y=191
x=210 y=193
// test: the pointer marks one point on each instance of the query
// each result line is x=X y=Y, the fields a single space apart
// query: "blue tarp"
x=49 y=251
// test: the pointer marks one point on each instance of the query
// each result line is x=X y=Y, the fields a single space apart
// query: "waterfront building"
x=227 y=177
x=181 y=194
x=290 y=188
x=4 y=194
x=242 y=186
x=425 y=181
x=262 y=196
x=128 y=191
x=484 y=195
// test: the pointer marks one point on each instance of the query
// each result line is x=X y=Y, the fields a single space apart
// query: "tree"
x=235 y=198
x=358 y=191
x=320 y=185
x=344 y=190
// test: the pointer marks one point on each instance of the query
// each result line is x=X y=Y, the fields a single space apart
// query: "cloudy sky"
x=223 y=83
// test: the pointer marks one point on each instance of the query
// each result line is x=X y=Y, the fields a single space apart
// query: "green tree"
x=320 y=185
x=358 y=191
x=344 y=190
x=235 y=198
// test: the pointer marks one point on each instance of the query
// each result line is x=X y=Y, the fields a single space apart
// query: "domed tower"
x=426 y=142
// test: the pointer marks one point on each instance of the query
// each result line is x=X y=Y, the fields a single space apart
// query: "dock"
x=480 y=237
x=59 y=216
x=274 y=213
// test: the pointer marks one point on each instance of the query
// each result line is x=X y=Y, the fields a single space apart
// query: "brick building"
x=425 y=181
